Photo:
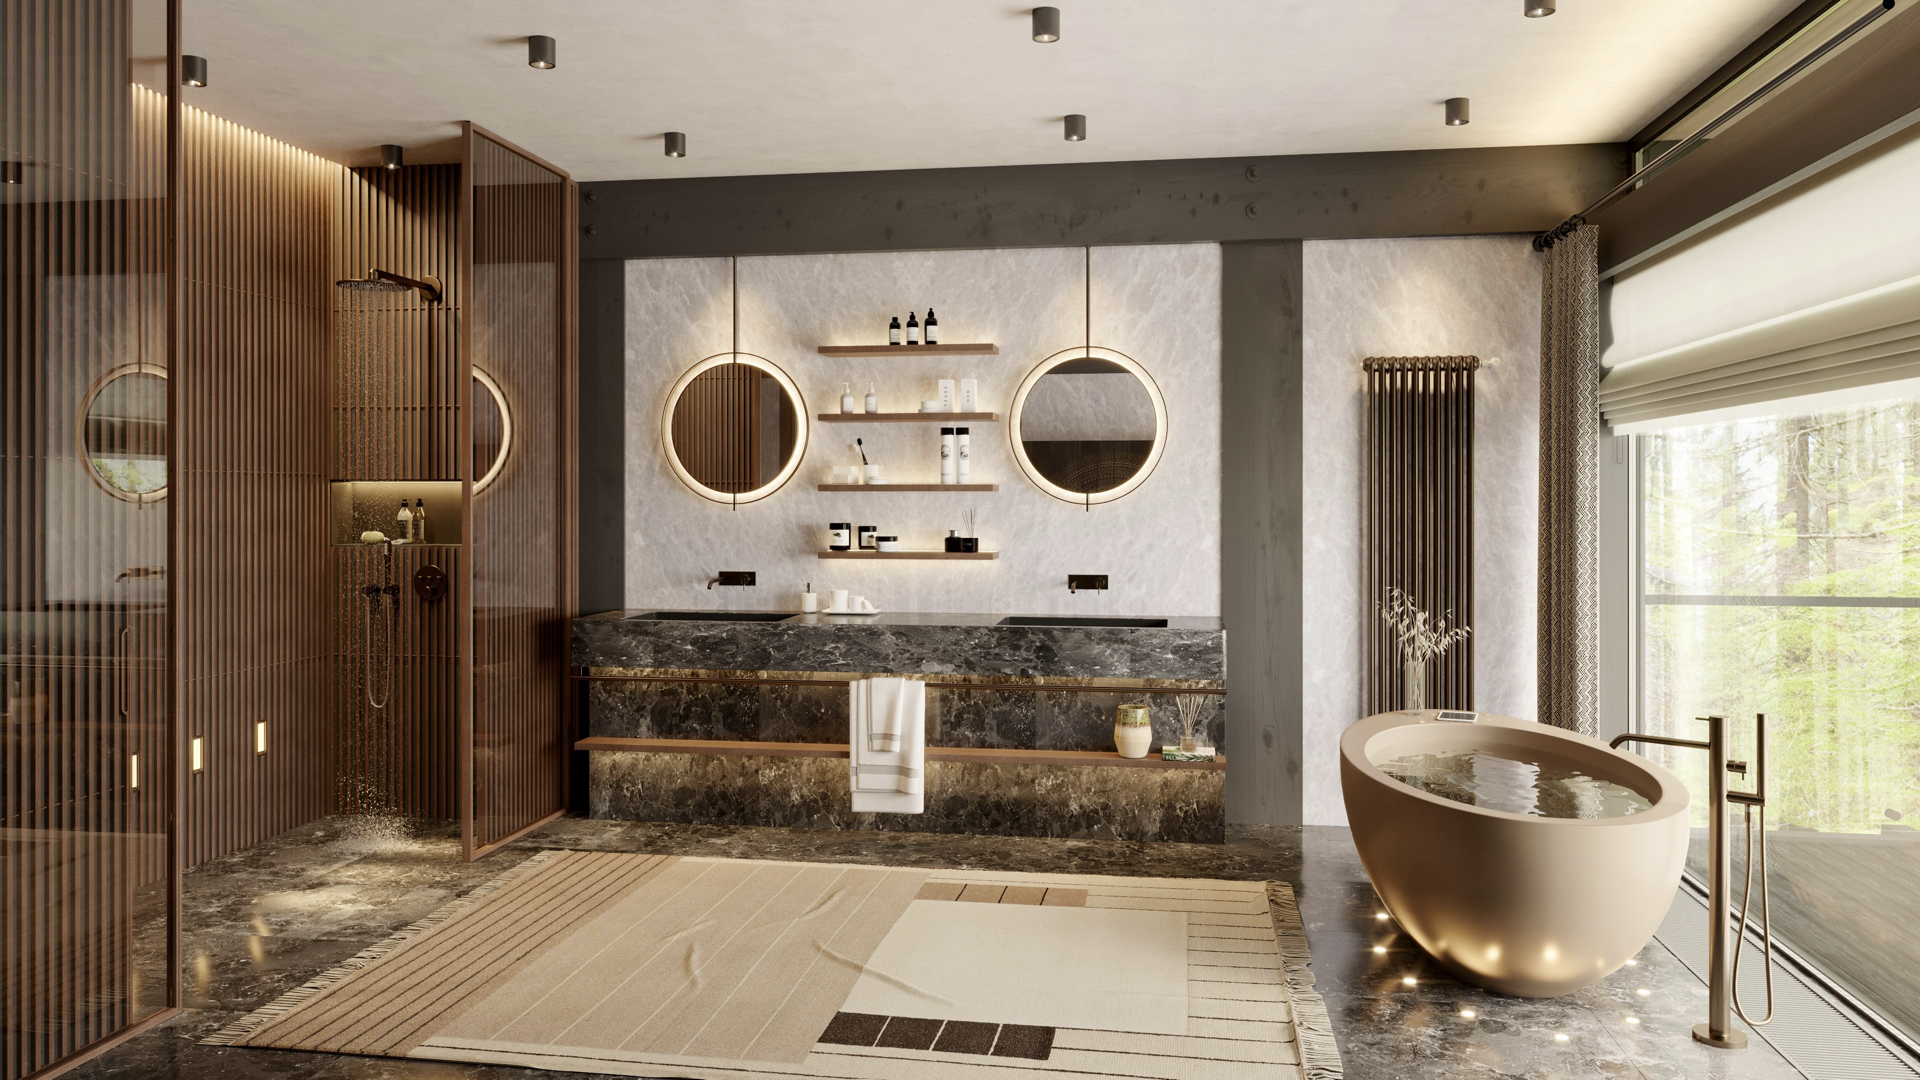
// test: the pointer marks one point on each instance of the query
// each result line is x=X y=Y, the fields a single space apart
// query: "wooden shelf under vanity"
x=908 y=418
x=910 y=487
x=976 y=349
x=750 y=748
x=858 y=554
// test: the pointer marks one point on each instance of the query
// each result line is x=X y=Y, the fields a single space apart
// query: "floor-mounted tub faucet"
x=1723 y=941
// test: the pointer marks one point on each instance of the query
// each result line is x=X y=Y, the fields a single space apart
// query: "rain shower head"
x=387 y=281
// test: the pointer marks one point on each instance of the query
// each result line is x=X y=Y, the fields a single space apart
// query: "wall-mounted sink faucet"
x=1076 y=582
x=734 y=577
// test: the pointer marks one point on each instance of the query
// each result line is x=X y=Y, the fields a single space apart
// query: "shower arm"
x=428 y=285
x=1723 y=950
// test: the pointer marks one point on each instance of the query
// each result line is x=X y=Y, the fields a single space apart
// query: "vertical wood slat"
x=1419 y=518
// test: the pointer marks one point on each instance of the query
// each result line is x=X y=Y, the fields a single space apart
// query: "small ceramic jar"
x=1132 y=731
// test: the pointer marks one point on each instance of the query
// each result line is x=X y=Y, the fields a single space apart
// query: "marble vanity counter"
x=905 y=643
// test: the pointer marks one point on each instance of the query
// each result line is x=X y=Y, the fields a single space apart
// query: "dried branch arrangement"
x=1422 y=637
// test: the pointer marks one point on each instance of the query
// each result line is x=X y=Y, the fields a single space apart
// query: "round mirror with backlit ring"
x=492 y=430
x=736 y=428
x=1088 y=425
x=123 y=432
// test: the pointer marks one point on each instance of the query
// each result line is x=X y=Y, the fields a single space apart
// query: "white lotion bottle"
x=962 y=455
x=969 y=395
x=873 y=400
x=809 y=600
x=946 y=395
x=403 y=522
x=846 y=397
x=947 y=439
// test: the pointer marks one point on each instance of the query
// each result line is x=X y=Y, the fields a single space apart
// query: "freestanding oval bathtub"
x=1523 y=905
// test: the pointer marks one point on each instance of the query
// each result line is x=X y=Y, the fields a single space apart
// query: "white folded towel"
x=887 y=738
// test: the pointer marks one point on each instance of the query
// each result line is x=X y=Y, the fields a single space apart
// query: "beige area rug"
x=665 y=966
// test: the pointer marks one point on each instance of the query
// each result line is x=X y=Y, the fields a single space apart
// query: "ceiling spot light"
x=1076 y=127
x=1457 y=112
x=13 y=172
x=1538 y=9
x=542 y=52
x=193 y=70
x=392 y=156
x=676 y=144
x=1046 y=24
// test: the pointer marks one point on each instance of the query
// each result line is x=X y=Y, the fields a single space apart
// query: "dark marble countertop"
x=905 y=643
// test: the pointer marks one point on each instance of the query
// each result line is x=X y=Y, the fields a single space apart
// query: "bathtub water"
x=1514 y=784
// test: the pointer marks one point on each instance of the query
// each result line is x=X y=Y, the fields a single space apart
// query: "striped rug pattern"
x=664 y=966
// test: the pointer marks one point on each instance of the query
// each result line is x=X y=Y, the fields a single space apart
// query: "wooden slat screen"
x=397 y=382
x=1419 y=518
x=253 y=456
x=88 y=902
x=717 y=427
x=521 y=316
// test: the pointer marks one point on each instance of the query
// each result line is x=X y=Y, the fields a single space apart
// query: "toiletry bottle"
x=969 y=395
x=933 y=328
x=840 y=535
x=403 y=523
x=846 y=397
x=873 y=400
x=946 y=395
x=420 y=519
x=913 y=329
x=866 y=534
x=893 y=331
x=809 y=600
x=961 y=453
x=946 y=455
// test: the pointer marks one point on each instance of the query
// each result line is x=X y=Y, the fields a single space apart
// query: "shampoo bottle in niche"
x=420 y=520
x=913 y=329
x=893 y=331
x=946 y=455
x=873 y=400
x=403 y=523
x=846 y=397
x=933 y=328
x=961 y=453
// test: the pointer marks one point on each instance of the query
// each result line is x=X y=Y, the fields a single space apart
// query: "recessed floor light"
x=1379 y=948
x=1633 y=1019
x=1633 y=963
x=1559 y=1037
x=1409 y=981
x=1380 y=915
x=1644 y=992
x=1468 y=1013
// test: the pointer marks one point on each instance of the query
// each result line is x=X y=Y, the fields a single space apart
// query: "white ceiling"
x=778 y=86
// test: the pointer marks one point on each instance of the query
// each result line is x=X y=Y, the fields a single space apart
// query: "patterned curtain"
x=1569 y=618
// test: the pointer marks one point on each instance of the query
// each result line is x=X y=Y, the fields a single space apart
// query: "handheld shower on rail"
x=377 y=595
x=1723 y=947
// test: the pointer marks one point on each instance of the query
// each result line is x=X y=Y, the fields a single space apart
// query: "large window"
x=1781 y=570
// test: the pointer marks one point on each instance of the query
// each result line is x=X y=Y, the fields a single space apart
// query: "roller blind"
x=1863 y=340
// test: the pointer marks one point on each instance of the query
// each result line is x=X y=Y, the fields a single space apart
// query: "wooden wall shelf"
x=749 y=748
x=977 y=349
x=908 y=418
x=910 y=487
x=858 y=554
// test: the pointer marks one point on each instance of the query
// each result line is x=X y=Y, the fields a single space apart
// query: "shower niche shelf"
x=357 y=506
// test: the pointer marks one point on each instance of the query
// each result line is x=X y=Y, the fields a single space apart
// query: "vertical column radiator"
x=1419 y=519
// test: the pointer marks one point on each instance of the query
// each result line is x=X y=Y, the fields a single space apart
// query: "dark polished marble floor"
x=264 y=920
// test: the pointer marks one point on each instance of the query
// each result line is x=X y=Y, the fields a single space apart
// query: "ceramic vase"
x=1132 y=731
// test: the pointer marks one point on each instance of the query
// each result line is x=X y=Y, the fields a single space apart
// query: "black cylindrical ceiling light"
x=1046 y=24
x=1076 y=127
x=193 y=70
x=542 y=52
x=391 y=156
x=1457 y=112
x=676 y=144
x=1538 y=9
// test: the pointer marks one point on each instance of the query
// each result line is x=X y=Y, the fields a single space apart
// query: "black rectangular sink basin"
x=717 y=616
x=1072 y=620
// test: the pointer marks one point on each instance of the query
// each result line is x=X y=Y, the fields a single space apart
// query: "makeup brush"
x=862 y=445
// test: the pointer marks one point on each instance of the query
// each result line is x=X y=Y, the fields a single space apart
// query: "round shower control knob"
x=430 y=583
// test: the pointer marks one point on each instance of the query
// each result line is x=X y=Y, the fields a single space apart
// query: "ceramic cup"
x=837 y=599
x=873 y=475
x=857 y=603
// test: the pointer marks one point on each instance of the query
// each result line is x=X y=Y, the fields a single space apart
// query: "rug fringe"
x=306 y=991
x=1313 y=1027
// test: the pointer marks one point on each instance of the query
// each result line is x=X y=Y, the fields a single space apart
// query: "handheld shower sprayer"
x=377 y=595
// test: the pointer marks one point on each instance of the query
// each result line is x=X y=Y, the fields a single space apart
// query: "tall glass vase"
x=1416 y=685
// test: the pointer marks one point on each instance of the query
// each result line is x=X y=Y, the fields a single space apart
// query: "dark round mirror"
x=123 y=433
x=736 y=428
x=1088 y=425
x=492 y=430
